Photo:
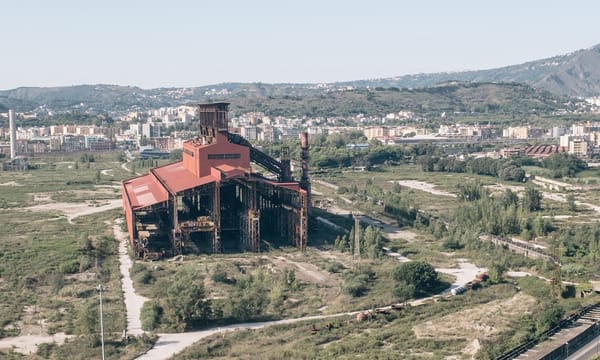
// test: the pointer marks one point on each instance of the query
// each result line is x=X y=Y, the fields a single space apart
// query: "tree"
x=185 y=301
x=496 y=273
x=404 y=292
x=417 y=273
x=470 y=191
x=532 y=200
x=372 y=242
x=509 y=198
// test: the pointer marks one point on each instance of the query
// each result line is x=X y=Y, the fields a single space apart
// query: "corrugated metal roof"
x=145 y=191
x=177 y=178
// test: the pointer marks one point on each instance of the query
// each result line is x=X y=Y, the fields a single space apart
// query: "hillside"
x=464 y=98
x=574 y=74
x=298 y=100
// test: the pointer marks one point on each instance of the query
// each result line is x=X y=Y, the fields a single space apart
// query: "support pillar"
x=176 y=241
x=217 y=218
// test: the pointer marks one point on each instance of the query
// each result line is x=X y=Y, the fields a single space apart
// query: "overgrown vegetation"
x=50 y=266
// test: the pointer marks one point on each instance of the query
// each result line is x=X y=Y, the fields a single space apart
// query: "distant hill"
x=452 y=98
x=299 y=100
x=574 y=74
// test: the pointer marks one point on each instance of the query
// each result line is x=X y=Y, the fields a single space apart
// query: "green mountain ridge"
x=574 y=74
x=293 y=100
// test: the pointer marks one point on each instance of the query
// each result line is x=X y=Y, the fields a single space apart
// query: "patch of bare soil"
x=394 y=232
x=74 y=210
x=84 y=276
x=41 y=197
x=503 y=187
x=344 y=259
x=423 y=186
x=33 y=332
x=479 y=322
x=310 y=273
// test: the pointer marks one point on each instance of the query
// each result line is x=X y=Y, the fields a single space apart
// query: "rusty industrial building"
x=212 y=200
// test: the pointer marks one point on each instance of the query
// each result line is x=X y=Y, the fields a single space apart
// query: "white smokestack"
x=13 y=134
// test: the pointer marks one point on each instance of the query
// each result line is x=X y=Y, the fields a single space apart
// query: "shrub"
x=45 y=350
x=150 y=315
x=335 y=267
x=69 y=267
x=418 y=273
x=144 y=277
x=356 y=285
x=219 y=275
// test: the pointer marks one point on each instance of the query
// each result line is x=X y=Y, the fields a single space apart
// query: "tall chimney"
x=13 y=134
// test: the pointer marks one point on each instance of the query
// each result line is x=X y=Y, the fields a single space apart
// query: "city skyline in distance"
x=150 y=45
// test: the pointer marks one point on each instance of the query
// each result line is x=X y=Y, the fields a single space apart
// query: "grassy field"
x=51 y=261
x=395 y=335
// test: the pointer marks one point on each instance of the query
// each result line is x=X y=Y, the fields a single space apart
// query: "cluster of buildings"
x=582 y=140
x=41 y=139
x=168 y=128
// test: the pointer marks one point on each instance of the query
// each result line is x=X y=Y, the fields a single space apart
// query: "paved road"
x=590 y=351
x=133 y=301
x=171 y=344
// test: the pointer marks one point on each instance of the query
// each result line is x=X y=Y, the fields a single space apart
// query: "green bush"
x=335 y=267
x=219 y=275
x=356 y=284
x=45 y=350
x=144 y=277
x=69 y=267
x=150 y=315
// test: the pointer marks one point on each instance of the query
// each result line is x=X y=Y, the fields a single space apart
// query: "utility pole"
x=100 y=288
x=356 y=255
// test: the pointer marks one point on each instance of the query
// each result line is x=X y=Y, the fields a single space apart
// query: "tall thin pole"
x=100 y=288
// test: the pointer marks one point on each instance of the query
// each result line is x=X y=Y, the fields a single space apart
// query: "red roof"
x=232 y=171
x=144 y=191
x=177 y=178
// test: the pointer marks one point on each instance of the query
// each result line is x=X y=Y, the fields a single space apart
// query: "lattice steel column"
x=217 y=218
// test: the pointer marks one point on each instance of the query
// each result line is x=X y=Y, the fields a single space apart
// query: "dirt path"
x=107 y=172
x=395 y=255
x=133 y=301
x=171 y=344
x=328 y=184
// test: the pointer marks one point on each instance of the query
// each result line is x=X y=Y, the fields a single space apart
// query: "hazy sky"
x=195 y=42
